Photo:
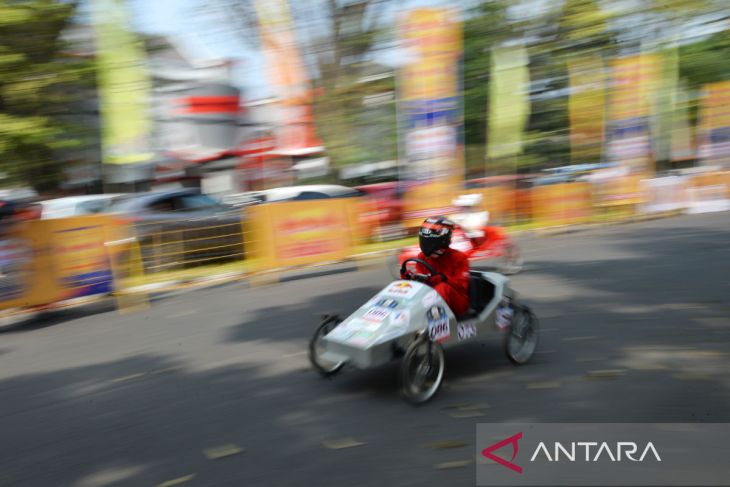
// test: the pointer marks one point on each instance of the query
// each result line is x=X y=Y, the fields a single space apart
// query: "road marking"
x=222 y=451
x=342 y=443
x=605 y=374
x=177 y=481
x=129 y=377
x=547 y=384
x=454 y=464
x=445 y=444
x=467 y=413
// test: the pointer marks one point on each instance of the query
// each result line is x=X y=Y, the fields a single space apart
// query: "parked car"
x=307 y=192
x=78 y=205
x=182 y=228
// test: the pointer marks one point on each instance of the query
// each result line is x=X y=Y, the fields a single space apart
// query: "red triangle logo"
x=512 y=440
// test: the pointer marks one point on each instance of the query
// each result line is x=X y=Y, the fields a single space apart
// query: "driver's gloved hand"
x=435 y=280
x=420 y=277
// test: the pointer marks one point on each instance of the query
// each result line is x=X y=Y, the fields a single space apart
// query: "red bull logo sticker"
x=402 y=289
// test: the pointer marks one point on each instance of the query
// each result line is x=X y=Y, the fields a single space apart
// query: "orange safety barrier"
x=300 y=233
x=562 y=204
x=47 y=261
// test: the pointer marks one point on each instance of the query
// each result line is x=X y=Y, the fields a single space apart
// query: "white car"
x=305 y=192
x=78 y=205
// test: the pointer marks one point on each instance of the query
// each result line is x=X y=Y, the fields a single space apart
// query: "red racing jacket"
x=455 y=290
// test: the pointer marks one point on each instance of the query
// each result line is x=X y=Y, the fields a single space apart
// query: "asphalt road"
x=212 y=387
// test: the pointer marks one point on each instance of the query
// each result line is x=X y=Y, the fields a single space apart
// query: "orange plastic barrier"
x=47 y=261
x=301 y=233
x=561 y=204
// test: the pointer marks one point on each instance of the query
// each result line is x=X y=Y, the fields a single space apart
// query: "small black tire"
x=522 y=337
x=414 y=392
x=325 y=368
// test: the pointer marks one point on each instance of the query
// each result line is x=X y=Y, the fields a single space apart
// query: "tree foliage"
x=38 y=87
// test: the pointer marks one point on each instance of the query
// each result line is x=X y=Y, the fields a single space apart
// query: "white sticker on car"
x=400 y=318
x=439 y=331
x=376 y=315
x=430 y=298
x=438 y=324
x=467 y=330
x=504 y=316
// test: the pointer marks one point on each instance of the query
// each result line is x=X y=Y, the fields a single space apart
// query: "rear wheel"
x=317 y=347
x=422 y=370
x=521 y=338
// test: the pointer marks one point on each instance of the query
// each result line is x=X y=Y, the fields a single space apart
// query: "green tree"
x=38 y=87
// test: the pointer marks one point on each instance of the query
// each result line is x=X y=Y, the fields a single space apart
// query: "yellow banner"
x=429 y=95
x=509 y=105
x=47 y=261
x=432 y=37
x=562 y=204
x=587 y=108
x=427 y=200
x=301 y=232
x=124 y=85
x=633 y=90
x=715 y=123
x=634 y=82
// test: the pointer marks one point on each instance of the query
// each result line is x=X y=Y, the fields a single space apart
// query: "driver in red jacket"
x=434 y=238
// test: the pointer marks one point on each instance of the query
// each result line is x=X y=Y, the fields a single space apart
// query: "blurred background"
x=150 y=147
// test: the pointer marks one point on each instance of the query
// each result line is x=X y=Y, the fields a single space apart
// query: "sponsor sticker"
x=389 y=303
x=376 y=315
x=430 y=299
x=504 y=315
x=400 y=318
x=402 y=289
x=438 y=324
x=467 y=330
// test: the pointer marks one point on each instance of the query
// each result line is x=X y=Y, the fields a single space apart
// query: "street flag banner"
x=682 y=140
x=587 y=108
x=715 y=124
x=124 y=86
x=285 y=69
x=665 y=104
x=429 y=95
x=509 y=105
x=633 y=84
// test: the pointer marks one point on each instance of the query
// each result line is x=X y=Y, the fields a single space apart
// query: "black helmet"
x=435 y=234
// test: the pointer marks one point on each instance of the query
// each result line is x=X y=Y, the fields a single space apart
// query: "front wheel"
x=521 y=338
x=317 y=347
x=422 y=370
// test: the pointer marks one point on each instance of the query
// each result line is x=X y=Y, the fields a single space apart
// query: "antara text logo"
x=574 y=451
